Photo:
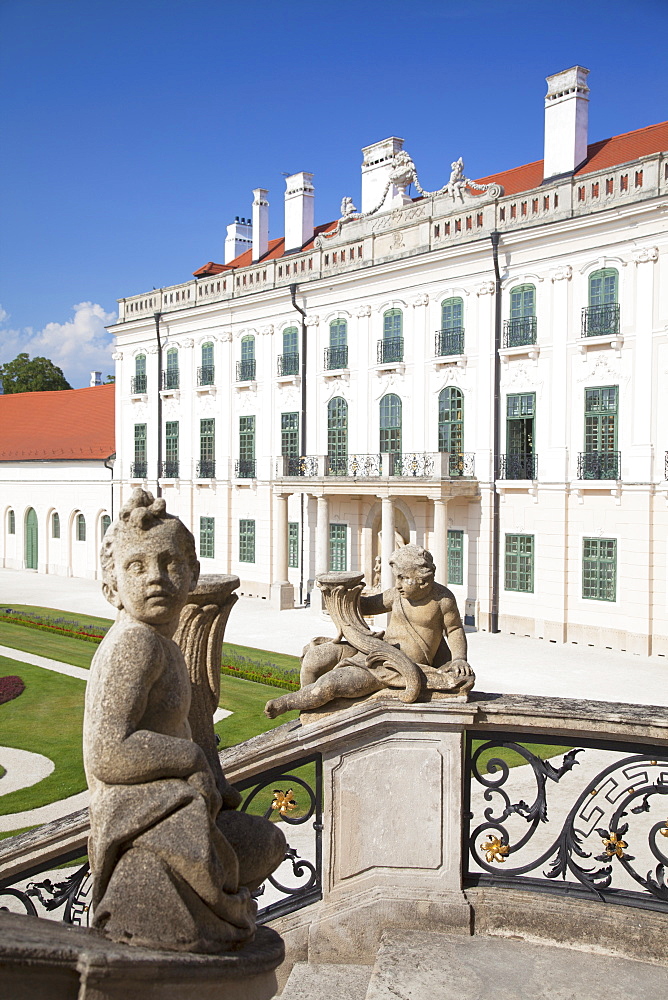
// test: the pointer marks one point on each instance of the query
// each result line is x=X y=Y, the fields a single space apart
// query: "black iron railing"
x=139 y=470
x=336 y=357
x=170 y=379
x=288 y=364
x=520 y=332
x=390 y=350
x=416 y=464
x=601 y=321
x=299 y=465
x=449 y=342
x=244 y=468
x=612 y=843
x=462 y=465
x=206 y=375
x=522 y=466
x=246 y=370
x=137 y=385
x=169 y=469
x=354 y=466
x=599 y=465
x=206 y=468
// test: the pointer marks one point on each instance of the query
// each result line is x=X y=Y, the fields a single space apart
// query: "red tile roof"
x=276 y=249
x=67 y=425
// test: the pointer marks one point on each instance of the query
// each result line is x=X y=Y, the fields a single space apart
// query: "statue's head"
x=414 y=570
x=149 y=562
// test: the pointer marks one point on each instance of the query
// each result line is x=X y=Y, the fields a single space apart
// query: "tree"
x=38 y=375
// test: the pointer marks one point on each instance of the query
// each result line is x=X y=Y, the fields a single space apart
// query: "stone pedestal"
x=41 y=958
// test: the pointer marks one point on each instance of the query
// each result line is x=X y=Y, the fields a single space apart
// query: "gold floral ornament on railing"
x=664 y=830
x=494 y=849
x=614 y=844
x=284 y=802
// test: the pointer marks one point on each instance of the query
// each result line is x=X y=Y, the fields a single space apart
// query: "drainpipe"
x=496 y=535
x=302 y=434
x=111 y=470
x=158 y=488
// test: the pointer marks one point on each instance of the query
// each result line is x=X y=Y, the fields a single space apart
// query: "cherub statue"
x=347 y=208
x=457 y=182
x=169 y=868
x=424 y=647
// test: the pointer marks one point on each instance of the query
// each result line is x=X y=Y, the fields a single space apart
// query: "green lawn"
x=53 y=614
x=78 y=652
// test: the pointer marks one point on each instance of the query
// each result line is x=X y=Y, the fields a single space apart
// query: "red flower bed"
x=10 y=688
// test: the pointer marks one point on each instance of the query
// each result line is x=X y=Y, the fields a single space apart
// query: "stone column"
x=282 y=591
x=321 y=548
x=387 y=528
x=439 y=541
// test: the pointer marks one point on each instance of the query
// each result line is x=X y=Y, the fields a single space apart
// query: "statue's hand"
x=459 y=668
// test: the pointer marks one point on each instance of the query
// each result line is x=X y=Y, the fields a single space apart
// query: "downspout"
x=302 y=436
x=496 y=462
x=158 y=488
x=111 y=470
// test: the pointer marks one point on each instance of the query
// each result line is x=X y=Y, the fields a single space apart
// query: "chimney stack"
x=376 y=169
x=238 y=238
x=299 y=210
x=566 y=121
x=95 y=379
x=260 y=223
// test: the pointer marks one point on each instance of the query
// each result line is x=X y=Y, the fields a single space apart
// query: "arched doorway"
x=31 y=540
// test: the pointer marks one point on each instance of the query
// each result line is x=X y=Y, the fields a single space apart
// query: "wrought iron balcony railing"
x=299 y=465
x=139 y=470
x=522 y=466
x=665 y=466
x=449 y=342
x=206 y=375
x=390 y=350
x=520 y=332
x=462 y=465
x=244 y=468
x=599 y=465
x=417 y=464
x=601 y=321
x=169 y=469
x=246 y=370
x=137 y=384
x=336 y=357
x=354 y=466
x=206 y=468
x=170 y=379
x=288 y=364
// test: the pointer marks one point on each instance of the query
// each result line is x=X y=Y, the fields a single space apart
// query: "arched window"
x=288 y=361
x=601 y=317
x=451 y=427
x=521 y=328
x=55 y=525
x=337 y=436
x=170 y=377
x=391 y=347
x=206 y=374
x=337 y=354
x=81 y=528
x=30 y=540
x=246 y=367
x=11 y=522
x=450 y=338
x=390 y=424
x=105 y=524
x=139 y=382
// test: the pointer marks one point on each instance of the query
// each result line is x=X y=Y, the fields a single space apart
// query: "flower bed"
x=10 y=687
x=262 y=673
x=57 y=626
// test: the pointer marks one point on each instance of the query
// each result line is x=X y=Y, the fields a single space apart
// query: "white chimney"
x=238 y=239
x=95 y=379
x=376 y=169
x=566 y=121
x=299 y=210
x=260 y=223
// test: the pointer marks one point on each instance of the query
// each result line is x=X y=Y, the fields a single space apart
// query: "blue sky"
x=134 y=132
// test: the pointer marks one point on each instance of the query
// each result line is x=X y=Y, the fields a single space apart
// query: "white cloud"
x=79 y=346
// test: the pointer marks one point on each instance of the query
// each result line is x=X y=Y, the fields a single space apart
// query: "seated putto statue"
x=173 y=864
x=421 y=655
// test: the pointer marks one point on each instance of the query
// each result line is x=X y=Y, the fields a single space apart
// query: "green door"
x=31 y=539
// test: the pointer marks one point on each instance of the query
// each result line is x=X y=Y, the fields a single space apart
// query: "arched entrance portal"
x=31 y=540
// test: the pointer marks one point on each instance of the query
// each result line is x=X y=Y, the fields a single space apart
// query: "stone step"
x=327 y=982
x=413 y=965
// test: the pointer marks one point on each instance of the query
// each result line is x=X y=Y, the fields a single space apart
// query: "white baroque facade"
x=319 y=406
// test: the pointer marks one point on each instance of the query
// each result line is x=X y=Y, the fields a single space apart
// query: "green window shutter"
x=393 y=324
x=599 y=569
x=290 y=435
x=390 y=424
x=248 y=348
x=337 y=546
x=247 y=438
x=81 y=528
x=105 y=524
x=55 y=525
x=603 y=287
x=290 y=340
x=523 y=301
x=337 y=435
x=172 y=359
x=338 y=333
x=140 y=365
x=246 y=541
x=519 y=563
x=601 y=408
x=451 y=420
x=140 y=443
x=207 y=355
x=172 y=440
x=456 y=557
x=293 y=544
x=11 y=523
x=452 y=314
x=206 y=537
x=207 y=439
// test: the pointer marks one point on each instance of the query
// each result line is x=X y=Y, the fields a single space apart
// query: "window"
x=171 y=464
x=601 y=458
x=207 y=448
x=523 y=301
x=390 y=424
x=246 y=367
x=11 y=522
x=289 y=360
x=246 y=541
x=139 y=381
x=206 y=538
x=290 y=341
x=520 y=460
x=393 y=324
x=293 y=544
x=337 y=354
x=451 y=420
x=207 y=370
x=599 y=569
x=247 y=447
x=337 y=547
x=520 y=329
x=456 y=557
x=139 y=468
x=170 y=377
x=519 y=563
x=55 y=525
x=290 y=435
x=601 y=317
x=603 y=286
x=450 y=338
x=391 y=347
x=105 y=524
x=81 y=528
x=337 y=436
